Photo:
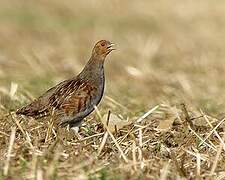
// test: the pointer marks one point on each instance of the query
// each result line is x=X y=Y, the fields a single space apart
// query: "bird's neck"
x=94 y=70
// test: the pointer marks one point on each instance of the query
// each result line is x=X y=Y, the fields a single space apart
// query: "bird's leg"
x=74 y=126
x=75 y=129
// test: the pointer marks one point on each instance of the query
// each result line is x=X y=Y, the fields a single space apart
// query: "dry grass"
x=170 y=54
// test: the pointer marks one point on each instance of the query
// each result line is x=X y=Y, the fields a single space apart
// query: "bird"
x=71 y=100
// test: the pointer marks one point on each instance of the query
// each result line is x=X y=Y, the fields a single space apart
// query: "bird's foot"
x=75 y=131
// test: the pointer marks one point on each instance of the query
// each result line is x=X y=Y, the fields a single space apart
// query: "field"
x=164 y=97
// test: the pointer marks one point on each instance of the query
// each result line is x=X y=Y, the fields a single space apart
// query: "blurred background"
x=167 y=51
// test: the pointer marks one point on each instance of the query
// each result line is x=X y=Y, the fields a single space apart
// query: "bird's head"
x=102 y=49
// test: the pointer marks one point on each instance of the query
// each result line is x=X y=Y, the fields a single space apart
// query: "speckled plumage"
x=72 y=100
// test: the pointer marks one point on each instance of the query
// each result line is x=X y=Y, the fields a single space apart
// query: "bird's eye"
x=102 y=44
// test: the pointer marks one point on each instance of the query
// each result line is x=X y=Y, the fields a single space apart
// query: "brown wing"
x=39 y=107
x=43 y=105
x=67 y=99
x=77 y=97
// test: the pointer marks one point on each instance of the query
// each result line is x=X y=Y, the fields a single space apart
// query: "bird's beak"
x=111 y=47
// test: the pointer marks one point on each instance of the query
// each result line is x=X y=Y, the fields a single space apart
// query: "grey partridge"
x=72 y=100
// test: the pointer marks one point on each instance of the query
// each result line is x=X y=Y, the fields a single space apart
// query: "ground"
x=165 y=88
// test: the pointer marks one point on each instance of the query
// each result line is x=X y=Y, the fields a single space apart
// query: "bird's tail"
x=34 y=110
x=27 y=110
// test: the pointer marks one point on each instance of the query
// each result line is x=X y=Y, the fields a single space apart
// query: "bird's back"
x=40 y=106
